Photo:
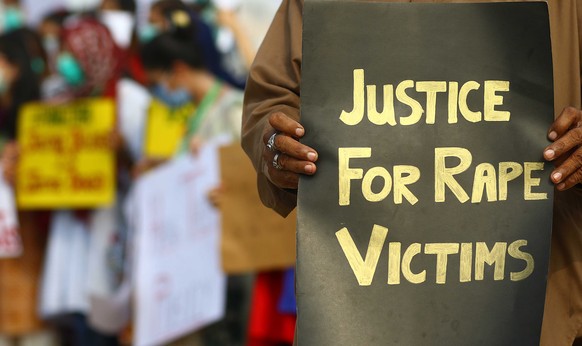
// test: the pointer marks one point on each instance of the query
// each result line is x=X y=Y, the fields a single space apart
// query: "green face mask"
x=148 y=33
x=70 y=69
x=13 y=18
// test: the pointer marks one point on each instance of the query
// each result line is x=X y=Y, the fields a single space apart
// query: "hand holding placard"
x=431 y=195
x=294 y=158
x=566 y=131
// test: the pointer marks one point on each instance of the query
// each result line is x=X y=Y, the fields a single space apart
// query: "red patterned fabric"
x=91 y=43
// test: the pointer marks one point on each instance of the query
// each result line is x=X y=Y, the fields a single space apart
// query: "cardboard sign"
x=429 y=219
x=254 y=238
x=180 y=286
x=165 y=128
x=10 y=243
x=66 y=158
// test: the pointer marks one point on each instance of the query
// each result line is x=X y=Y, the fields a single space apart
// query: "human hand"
x=566 y=151
x=215 y=196
x=285 y=156
x=116 y=140
x=195 y=145
x=227 y=18
x=9 y=162
x=145 y=165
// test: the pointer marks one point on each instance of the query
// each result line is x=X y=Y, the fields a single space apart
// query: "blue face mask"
x=148 y=33
x=70 y=69
x=173 y=98
x=13 y=18
x=51 y=45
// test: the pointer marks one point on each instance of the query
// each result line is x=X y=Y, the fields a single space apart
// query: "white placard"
x=10 y=243
x=179 y=283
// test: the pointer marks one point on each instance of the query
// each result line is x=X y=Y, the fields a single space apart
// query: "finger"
x=569 y=118
x=214 y=197
x=559 y=161
x=293 y=148
x=283 y=179
x=571 y=181
x=562 y=145
x=283 y=123
x=568 y=168
x=288 y=163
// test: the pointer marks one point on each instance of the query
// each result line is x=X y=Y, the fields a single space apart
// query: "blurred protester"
x=240 y=43
x=50 y=29
x=20 y=83
x=12 y=15
x=119 y=17
x=178 y=74
x=34 y=46
x=230 y=37
x=175 y=17
x=198 y=55
x=177 y=69
x=88 y=64
x=89 y=60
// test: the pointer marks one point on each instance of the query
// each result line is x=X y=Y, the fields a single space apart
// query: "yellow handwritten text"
x=458 y=95
x=472 y=259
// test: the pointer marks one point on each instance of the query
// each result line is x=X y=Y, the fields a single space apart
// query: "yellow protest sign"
x=165 y=128
x=66 y=160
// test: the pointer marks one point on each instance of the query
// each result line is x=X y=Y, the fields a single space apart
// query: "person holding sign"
x=174 y=64
x=168 y=16
x=18 y=84
x=78 y=118
x=272 y=132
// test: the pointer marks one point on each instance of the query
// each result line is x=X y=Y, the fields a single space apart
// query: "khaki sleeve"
x=273 y=85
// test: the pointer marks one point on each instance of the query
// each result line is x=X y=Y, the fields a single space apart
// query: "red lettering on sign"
x=87 y=183
x=38 y=182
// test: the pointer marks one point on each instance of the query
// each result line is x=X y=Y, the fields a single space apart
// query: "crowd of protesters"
x=187 y=52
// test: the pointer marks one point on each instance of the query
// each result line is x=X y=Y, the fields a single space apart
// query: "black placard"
x=388 y=254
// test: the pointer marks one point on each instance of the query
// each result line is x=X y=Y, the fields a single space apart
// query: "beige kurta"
x=273 y=86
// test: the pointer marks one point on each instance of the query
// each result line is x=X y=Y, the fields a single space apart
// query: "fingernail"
x=553 y=135
x=309 y=168
x=299 y=132
x=562 y=186
x=312 y=156
x=557 y=176
x=549 y=154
